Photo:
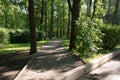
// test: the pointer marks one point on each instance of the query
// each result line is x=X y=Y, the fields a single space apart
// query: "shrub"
x=22 y=36
x=88 y=37
x=111 y=36
x=40 y=35
x=4 y=36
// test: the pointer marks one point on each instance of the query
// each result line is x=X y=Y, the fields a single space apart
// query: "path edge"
x=84 y=69
x=24 y=68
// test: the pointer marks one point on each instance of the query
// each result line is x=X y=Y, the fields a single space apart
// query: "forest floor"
x=12 y=63
x=50 y=61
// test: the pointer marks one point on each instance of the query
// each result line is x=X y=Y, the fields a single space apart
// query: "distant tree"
x=51 y=24
x=114 y=18
x=89 y=5
x=33 y=48
x=94 y=9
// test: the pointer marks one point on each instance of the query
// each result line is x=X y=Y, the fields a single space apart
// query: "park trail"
x=52 y=60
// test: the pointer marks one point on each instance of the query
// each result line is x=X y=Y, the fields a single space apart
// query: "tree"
x=94 y=9
x=75 y=10
x=51 y=25
x=114 y=18
x=33 y=48
x=89 y=4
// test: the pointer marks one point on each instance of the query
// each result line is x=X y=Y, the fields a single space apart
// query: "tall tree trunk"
x=33 y=48
x=63 y=32
x=42 y=13
x=75 y=16
x=45 y=20
x=109 y=7
x=68 y=29
x=107 y=16
x=89 y=4
x=94 y=9
x=51 y=25
x=114 y=18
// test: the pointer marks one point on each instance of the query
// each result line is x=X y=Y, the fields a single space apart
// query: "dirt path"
x=108 y=71
x=51 y=61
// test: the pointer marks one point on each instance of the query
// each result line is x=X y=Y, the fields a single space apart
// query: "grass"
x=93 y=56
x=12 y=48
x=13 y=56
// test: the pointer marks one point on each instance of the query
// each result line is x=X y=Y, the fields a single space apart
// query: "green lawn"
x=11 y=48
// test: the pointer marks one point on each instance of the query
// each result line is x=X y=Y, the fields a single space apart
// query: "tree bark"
x=89 y=4
x=42 y=13
x=51 y=25
x=75 y=16
x=94 y=9
x=45 y=20
x=33 y=48
x=114 y=18
x=68 y=29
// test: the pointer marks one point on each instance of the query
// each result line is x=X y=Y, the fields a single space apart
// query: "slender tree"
x=42 y=13
x=33 y=48
x=114 y=18
x=51 y=25
x=45 y=20
x=94 y=9
x=68 y=29
x=89 y=5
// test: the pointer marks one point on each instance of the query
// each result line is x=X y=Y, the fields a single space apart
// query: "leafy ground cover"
x=93 y=56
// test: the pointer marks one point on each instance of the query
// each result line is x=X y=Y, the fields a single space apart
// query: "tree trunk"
x=109 y=7
x=42 y=13
x=94 y=9
x=33 y=48
x=45 y=20
x=89 y=4
x=75 y=16
x=68 y=29
x=63 y=13
x=51 y=25
x=114 y=18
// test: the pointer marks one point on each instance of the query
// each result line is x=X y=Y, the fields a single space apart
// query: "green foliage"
x=23 y=36
x=111 y=37
x=4 y=36
x=88 y=36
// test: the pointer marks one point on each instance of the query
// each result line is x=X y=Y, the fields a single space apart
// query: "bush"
x=40 y=35
x=4 y=36
x=22 y=36
x=88 y=37
x=111 y=36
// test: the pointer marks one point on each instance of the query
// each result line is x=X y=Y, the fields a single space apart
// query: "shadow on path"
x=51 y=61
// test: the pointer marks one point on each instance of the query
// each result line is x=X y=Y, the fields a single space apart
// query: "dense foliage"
x=88 y=37
x=4 y=37
x=23 y=35
x=111 y=36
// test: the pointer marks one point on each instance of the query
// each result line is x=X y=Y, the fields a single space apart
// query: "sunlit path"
x=51 y=61
x=108 y=71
